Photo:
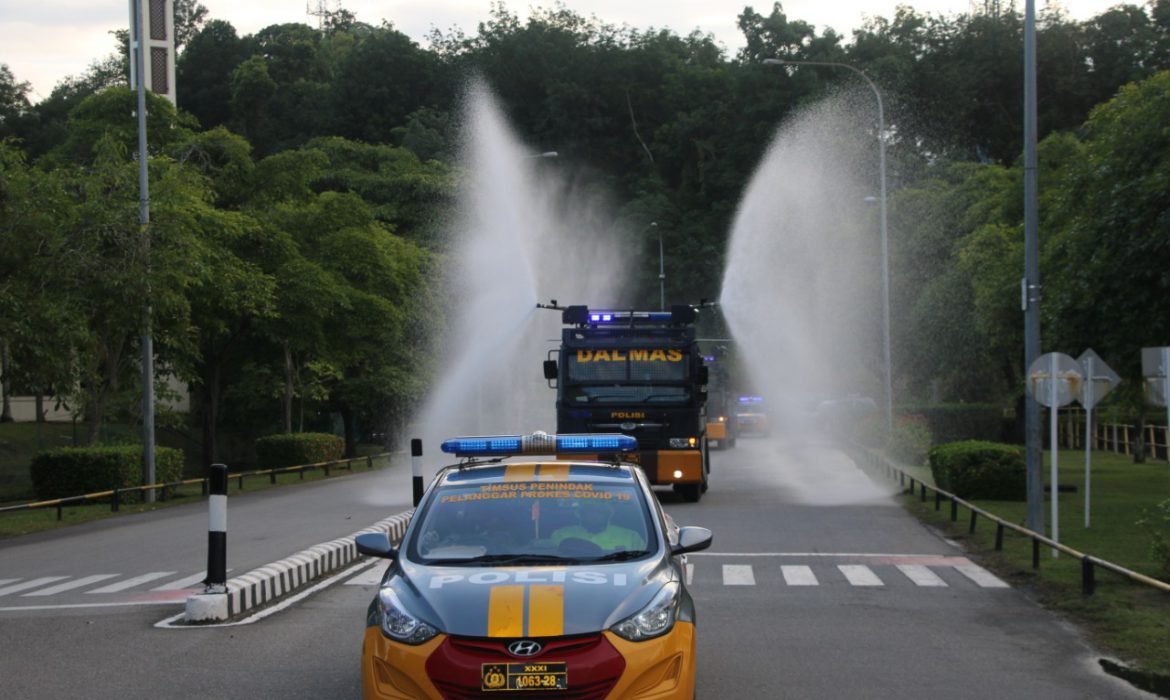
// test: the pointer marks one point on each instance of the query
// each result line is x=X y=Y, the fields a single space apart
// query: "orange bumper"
x=658 y=669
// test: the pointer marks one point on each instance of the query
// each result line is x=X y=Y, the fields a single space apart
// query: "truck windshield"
x=628 y=393
x=627 y=375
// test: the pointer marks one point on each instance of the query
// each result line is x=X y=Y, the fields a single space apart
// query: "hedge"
x=276 y=451
x=974 y=469
x=962 y=421
x=74 y=471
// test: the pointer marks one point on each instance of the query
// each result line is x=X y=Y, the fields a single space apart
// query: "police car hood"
x=529 y=601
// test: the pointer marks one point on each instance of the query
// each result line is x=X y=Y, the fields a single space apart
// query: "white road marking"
x=45 y=580
x=799 y=576
x=738 y=575
x=70 y=585
x=182 y=583
x=981 y=576
x=860 y=575
x=7 y=580
x=131 y=582
x=690 y=573
x=921 y=575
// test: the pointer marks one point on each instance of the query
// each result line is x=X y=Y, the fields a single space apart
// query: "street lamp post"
x=887 y=379
x=661 y=271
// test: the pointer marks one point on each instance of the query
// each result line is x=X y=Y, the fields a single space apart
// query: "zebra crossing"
x=873 y=571
x=132 y=588
x=855 y=570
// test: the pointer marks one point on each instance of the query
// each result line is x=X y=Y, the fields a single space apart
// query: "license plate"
x=535 y=676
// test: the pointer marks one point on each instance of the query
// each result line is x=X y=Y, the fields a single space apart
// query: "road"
x=817 y=586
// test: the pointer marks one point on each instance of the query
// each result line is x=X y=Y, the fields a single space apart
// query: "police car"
x=553 y=578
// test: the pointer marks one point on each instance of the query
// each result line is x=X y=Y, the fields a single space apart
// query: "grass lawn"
x=1127 y=620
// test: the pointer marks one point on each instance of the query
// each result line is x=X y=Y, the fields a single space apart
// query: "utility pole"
x=1030 y=285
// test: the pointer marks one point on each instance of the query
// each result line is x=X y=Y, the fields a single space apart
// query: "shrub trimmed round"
x=974 y=469
x=296 y=449
x=75 y=471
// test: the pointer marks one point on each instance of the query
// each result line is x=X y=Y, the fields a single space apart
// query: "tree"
x=204 y=71
x=14 y=102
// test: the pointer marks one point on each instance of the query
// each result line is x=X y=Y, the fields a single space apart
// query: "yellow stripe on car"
x=520 y=472
x=546 y=611
x=506 y=611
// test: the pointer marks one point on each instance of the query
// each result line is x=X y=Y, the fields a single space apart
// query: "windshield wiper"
x=621 y=556
x=507 y=559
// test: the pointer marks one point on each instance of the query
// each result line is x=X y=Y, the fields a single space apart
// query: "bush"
x=74 y=471
x=275 y=451
x=1156 y=522
x=974 y=469
x=962 y=421
x=911 y=440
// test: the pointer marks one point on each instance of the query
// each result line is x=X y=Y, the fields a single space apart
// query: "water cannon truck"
x=639 y=373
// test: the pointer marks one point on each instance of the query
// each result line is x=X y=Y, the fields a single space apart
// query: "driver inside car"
x=594 y=526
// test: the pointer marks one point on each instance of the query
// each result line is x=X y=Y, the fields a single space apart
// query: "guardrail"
x=164 y=489
x=914 y=485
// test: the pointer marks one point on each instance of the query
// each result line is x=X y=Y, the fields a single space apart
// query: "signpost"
x=1054 y=380
x=1099 y=381
x=1156 y=368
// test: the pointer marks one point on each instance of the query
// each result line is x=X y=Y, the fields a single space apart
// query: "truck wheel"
x=691 y=493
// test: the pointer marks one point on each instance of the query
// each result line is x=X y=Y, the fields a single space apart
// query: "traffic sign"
x=1054 y=379
x=1155 y=369
x=1099 y=379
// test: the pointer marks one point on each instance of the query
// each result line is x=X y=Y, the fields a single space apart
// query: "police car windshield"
x=511 y=522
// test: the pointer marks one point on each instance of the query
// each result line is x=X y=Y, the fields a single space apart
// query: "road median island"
x=267 y=585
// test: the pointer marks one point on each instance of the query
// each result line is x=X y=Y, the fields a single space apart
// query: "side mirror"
x=550 y=369
x=692 y=539
x=375 y=544
x=704 y=374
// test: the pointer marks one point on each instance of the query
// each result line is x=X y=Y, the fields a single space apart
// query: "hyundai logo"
x=524 y=647
x=628 y=425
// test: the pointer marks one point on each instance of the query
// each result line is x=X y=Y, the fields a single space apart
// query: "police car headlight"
x=683 y=443
x=398 y=624
x=655 y=620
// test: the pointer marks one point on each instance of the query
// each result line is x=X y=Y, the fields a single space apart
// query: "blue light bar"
x=626 y=316
x=751 y=399
x=538 y=444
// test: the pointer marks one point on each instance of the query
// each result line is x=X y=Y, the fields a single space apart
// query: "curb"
x=268 y=583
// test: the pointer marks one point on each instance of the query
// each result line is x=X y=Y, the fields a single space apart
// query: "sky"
x=42 y=41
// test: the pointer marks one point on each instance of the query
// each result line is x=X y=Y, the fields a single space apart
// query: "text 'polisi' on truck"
x=639 y=373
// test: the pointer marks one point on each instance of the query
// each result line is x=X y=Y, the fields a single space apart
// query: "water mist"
x=801 y=291
x=523 y=234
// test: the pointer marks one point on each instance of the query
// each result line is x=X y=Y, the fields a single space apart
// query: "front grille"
x=594 y=667
x=585 y=691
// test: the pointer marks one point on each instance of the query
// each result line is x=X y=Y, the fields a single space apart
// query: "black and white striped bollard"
x=216 y=581
x=416 y=469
